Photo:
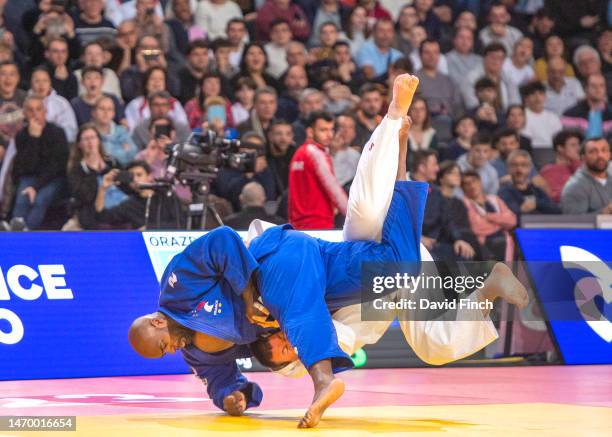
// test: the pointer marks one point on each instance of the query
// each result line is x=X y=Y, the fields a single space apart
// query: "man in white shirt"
x=561 y=92
x=276 y=49
x=517 y=68
x=498 y=29
x=462 y=59
x=213 y=15
x=541 y=125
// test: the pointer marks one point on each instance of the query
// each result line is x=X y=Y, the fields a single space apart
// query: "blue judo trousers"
x=300 y=278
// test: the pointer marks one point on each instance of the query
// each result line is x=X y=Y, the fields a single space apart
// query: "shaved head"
x=154 y=335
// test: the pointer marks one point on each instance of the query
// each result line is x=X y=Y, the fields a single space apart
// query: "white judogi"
x=435 y=342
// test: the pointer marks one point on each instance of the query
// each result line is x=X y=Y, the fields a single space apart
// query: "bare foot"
x=502 y=283
x=323 y=399
x=404 y=87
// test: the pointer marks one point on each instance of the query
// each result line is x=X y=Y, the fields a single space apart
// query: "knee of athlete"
x=274 y=351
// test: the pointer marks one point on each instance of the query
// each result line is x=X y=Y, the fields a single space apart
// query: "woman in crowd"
x=210 y=86
x=87 y=165
x=490 y=219
x=253 y=65
x=356 y=28
x=516 y=119
x=553 y=47
x=422 y=135
x=464 y=130
x=116 y=139
x=244 y=92
x=155 y=79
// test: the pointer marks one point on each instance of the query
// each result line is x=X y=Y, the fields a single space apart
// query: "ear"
x=309 y=132
x=159 y=322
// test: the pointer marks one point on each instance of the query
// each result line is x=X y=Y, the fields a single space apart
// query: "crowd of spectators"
x=512 y=115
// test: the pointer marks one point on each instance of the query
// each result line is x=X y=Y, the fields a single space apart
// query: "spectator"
x=116 y=140
x=314 y=191
x=160 y=104
x=183 y=25
x=498 y=30
x=222 y=65
x=214 y=15
x=477 y=159
x=592 y=116
x=604 y=46
x=541 y=124
x=562 y=92
x=374 y=10
x=375 y=56
x=252 y=201
x=238 y=37
x=323 y=50
x=150 y=24
x=230 y=181
x=140 y=209
x=494 y=55
x=567 y=161
x=138 y=109
x=368 y=116
x=589 y=190
x=515 y=119
x=575 y=20
x=264 y=107
x=490 y=219
x=95 y=55
x=339 y=98
x=588 y=62
x=311 y=100
x=542 y=26
x=63 y=80
x=329 y=11
x=254 y=64
x=148 y=55
x=356 y=29
x=295 y=81
x=210 y=86
x=422 y=136
x=464 y=131
x=300 y=28
x=11 y=102
x=57 y=109
x=93 y=82
x=520 y=194
x=344 y=156
x=462 y=59
x=407 y=20
x=343 y=67
x=276 y=49
x=487 y=114
x=427 y=18
x=297 y=54
x=127 y=40
x=39 y=169
x=506 y=141
x=244 y=91
x=554 y=48
x=196 y=67
x=449 y=181
x=87 y=166
x=440 y=235
x=436 y=88
x=90 y=24
x=517 y=68
x=281 y=148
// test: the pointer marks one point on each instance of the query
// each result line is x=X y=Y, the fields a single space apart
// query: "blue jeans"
x=34 y=214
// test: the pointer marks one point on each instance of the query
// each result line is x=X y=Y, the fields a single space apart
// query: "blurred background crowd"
x=512 y=116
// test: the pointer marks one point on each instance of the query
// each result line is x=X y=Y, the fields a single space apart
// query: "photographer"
x=144 y=208
x=230 y=181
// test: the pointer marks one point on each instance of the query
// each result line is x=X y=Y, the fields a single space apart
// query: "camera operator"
x=161 y=134
x=144 y=208
x=230 y=181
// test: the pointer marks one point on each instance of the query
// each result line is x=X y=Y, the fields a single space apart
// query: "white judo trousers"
x=435 y=342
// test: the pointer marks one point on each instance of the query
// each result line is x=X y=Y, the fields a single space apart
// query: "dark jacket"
x=242 y=219
x=44 y=157
x=514 y=198
x=133 y=212
x=577 y=117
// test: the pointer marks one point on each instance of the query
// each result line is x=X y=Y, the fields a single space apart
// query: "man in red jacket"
x=314 y=192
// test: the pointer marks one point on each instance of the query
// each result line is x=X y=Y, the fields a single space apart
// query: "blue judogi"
x=300 y=279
